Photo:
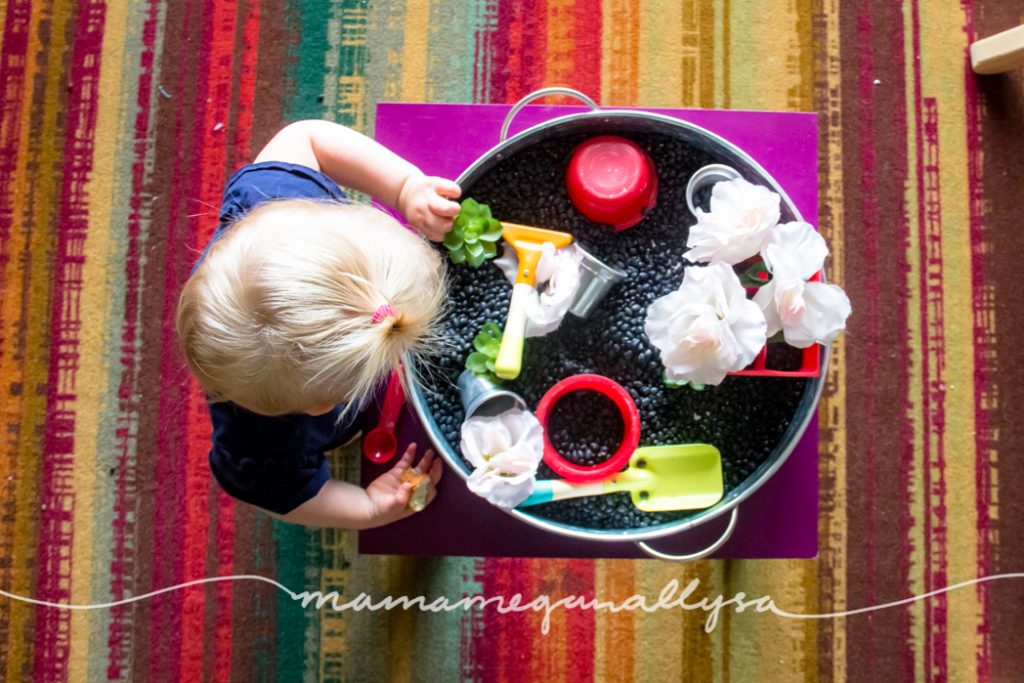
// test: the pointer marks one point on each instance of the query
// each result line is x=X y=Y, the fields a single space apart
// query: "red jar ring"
x=630 y=422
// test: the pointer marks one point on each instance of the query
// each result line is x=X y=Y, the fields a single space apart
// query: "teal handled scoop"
x=658 y=479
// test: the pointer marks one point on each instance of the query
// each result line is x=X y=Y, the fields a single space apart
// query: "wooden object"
x=998 y=53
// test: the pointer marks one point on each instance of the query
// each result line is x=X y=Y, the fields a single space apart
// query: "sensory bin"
x=746 y=418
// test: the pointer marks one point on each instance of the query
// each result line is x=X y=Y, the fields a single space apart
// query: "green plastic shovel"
x=658 y=479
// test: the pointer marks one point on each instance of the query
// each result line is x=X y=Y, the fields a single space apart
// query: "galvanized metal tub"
x=597 y=122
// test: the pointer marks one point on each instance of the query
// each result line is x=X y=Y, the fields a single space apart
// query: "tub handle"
x=536 y=95
x=700 y=554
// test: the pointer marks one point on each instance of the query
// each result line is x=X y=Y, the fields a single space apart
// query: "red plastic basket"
x=810 y=364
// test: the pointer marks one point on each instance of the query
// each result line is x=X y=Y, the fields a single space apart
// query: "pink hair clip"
x=383 y=311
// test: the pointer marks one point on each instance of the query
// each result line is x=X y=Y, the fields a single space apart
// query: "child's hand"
x=425 y=201
x=388 y=495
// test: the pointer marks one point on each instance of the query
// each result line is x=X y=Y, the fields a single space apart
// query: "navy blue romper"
x=275 y=463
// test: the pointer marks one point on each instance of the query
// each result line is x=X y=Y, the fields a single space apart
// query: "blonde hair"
x=290 y=309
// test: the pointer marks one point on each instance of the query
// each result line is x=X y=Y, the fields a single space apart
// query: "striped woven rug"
x=119 y=122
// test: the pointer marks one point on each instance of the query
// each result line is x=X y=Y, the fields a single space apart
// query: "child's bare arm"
x=340 y=504
x=356 y=161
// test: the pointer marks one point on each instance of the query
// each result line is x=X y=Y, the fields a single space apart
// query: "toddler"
x=300 y=306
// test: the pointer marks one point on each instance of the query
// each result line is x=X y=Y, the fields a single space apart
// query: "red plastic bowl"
x=612 y=181
x=630 y=431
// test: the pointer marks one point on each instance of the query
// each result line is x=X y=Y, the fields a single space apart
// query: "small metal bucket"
x=482 y=397
x=705 y=176
x=596 y=279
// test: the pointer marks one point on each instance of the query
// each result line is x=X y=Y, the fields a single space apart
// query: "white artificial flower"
x=558 y=278
x=805 y=312
x=505 y=449
x=737 y=226
x=707 y=327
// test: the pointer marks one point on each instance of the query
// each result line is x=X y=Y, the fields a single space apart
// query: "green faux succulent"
x=673 y=384
x=474 y=235
x=486 y=342
x=756 y=275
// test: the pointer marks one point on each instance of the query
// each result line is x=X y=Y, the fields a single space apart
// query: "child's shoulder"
x=254 y=184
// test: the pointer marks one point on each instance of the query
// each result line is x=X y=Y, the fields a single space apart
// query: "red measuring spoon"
x=380 y=444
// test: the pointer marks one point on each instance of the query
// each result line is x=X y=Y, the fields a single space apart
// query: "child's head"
x=306 y=304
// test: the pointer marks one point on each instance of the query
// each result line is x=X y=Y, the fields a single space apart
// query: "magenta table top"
x=780 y=520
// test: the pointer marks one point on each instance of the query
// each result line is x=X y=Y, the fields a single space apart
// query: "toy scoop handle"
x=510 y=354
x=394 y=399
x=547 y=490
